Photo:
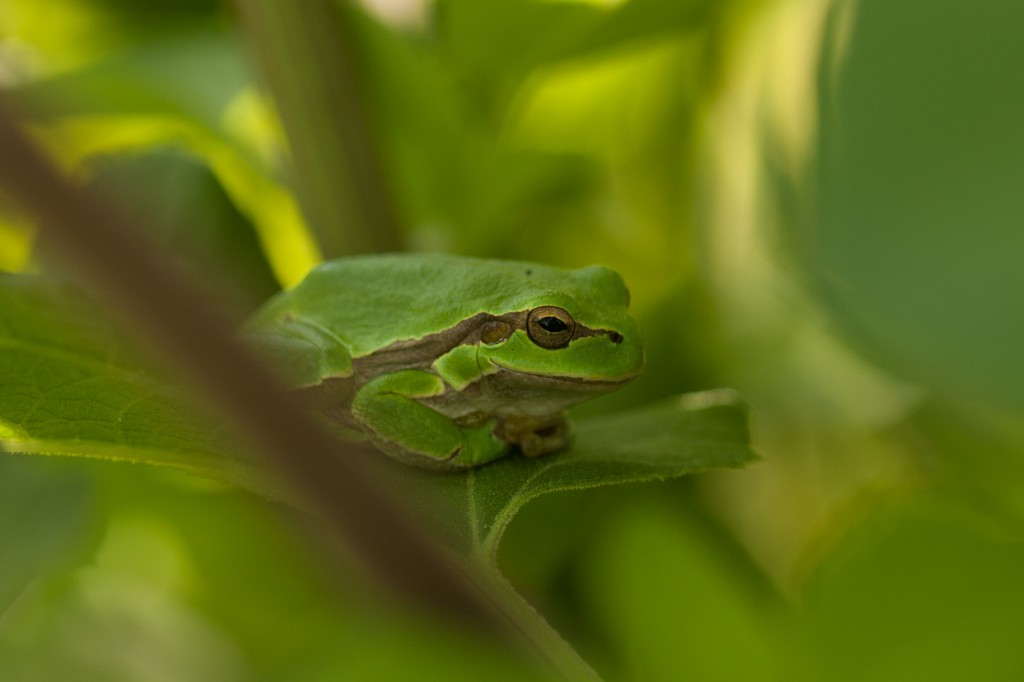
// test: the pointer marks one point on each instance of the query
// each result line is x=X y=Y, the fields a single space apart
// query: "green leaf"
x=683 y=435
x=177 y=198
x=494 y=46
x=312 y=65
x=674 y=602
x=641 y=21
x=46 y=521
x=73 y=386
x=923 y=589
x=191 y=91
x=194 y=76
x=680 y=436
x=447 y=164
x=915 y=244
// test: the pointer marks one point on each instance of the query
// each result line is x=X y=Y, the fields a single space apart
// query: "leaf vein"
x=80 y=361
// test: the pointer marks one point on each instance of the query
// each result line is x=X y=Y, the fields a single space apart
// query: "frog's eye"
x=550 y=327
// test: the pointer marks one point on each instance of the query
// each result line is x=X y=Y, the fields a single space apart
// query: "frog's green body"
x=445 y=361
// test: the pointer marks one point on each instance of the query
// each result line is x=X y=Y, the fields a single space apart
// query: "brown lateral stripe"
x=420 y=353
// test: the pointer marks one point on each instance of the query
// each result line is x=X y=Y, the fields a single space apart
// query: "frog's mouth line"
x=562 y=379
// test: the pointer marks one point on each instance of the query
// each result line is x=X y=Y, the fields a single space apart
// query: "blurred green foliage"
x=814 y=203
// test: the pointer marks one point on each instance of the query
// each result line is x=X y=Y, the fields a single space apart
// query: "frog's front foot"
x=535 y=436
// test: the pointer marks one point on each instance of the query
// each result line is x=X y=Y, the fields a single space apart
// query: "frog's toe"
x=535 y=437
x=532 y=445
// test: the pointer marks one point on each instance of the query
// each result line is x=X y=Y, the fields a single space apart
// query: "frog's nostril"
x=615 y=337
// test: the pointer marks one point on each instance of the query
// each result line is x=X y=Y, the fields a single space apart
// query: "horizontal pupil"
x=552 y=324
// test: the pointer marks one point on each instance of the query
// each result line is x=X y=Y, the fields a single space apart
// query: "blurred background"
x=813 y=203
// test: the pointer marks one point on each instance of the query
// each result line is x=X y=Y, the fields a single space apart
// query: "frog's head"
x=576 y=333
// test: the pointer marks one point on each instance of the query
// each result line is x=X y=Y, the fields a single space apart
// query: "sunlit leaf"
x=73 y=387
x=496 y=45
x=15 y=243
x=196 y=76
x=192 y=90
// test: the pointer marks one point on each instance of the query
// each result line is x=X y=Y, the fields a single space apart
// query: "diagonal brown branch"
x=101 y=247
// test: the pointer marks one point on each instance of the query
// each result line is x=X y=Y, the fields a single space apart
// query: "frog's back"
x=372 y=301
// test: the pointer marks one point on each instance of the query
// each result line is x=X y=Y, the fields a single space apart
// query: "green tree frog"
x=446 y=361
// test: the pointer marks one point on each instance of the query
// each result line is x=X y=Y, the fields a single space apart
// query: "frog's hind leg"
x=415 y=433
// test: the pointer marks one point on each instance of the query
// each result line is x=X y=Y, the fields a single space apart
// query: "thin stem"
x=531 y=626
